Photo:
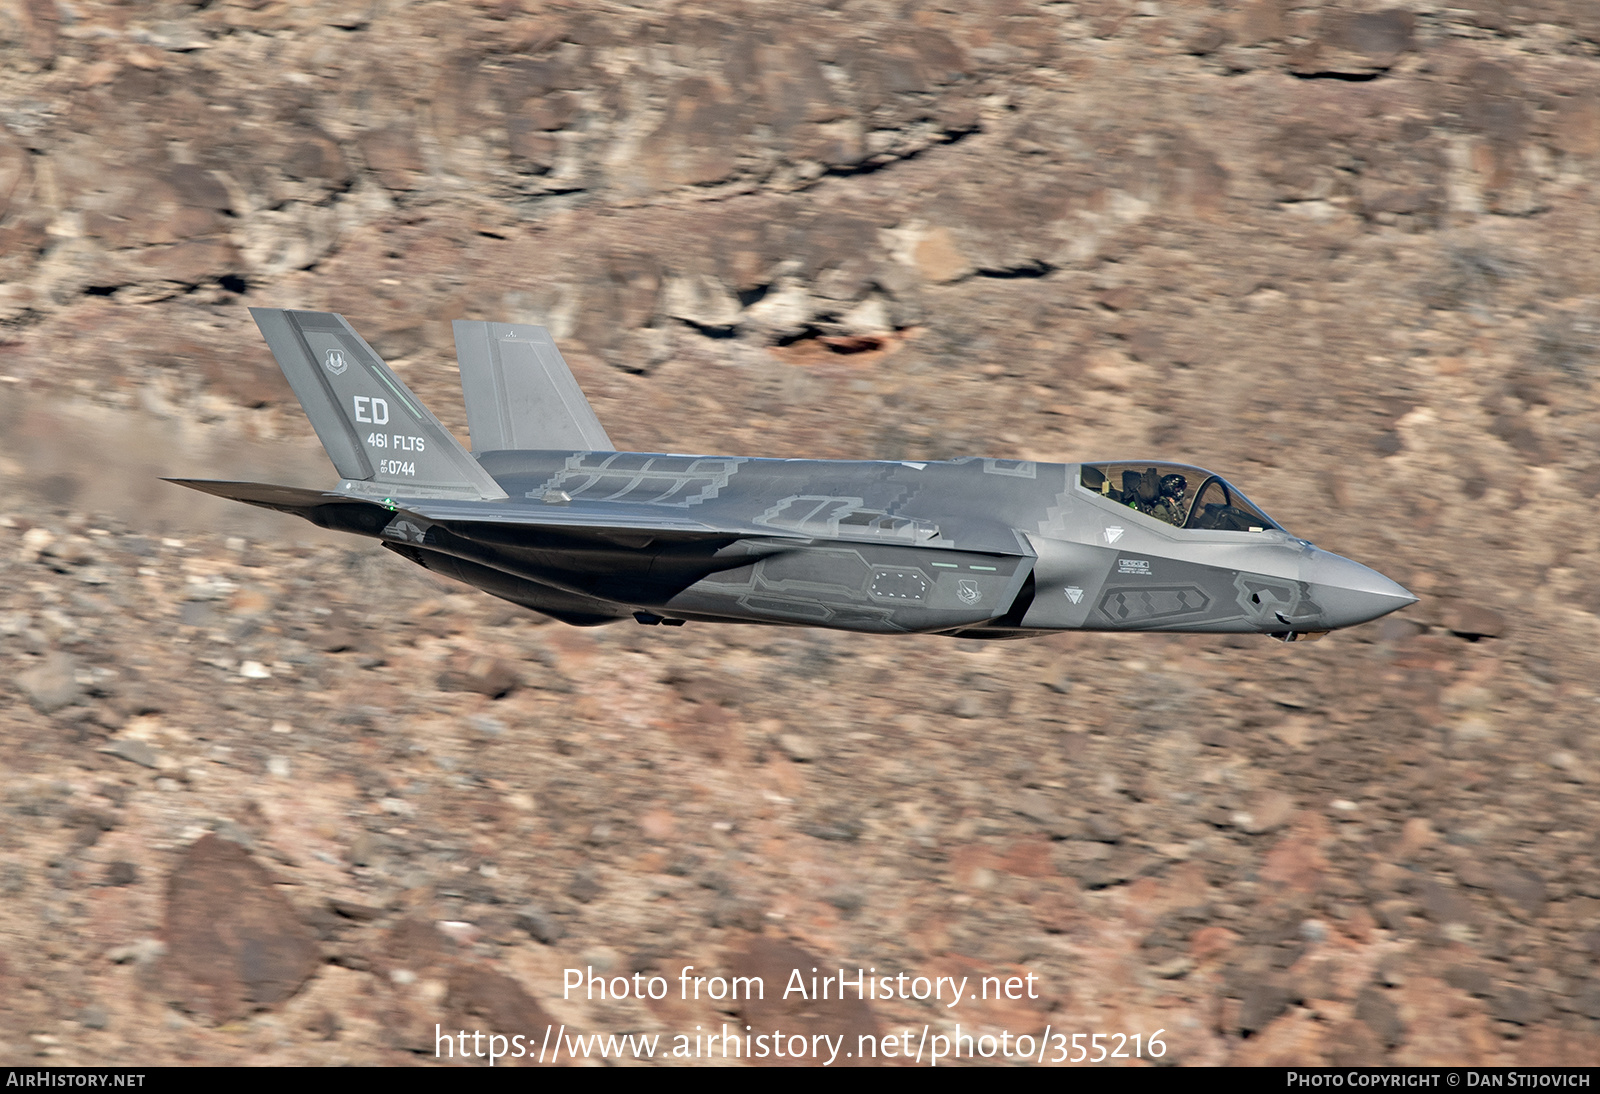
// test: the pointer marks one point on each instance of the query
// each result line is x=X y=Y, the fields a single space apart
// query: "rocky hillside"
x=269 y=796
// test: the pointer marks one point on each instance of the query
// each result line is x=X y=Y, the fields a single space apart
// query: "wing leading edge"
x=336 y=509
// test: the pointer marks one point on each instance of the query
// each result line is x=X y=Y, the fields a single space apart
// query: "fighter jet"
x=545 y=512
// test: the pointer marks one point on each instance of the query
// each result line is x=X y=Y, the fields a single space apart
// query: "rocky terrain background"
x=270 y=796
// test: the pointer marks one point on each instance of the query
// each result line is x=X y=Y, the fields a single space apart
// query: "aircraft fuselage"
x=981 y=547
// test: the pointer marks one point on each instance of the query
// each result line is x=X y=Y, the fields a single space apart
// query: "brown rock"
x=416 y=963
x=1027 y=858
x=938 y=258
x=1474 y=981
x=40 y=18
x=1468 y=620
x=484 y=675
x=196 y=188
x=1578 y=124
x=1257 y=21
x=1495 y=103
x=1519 y=1006
x=531 y=151
x=1268 y=812
x=337 y=632
x=1262 y=1001
x=795 y=90
x=349 y=909
x=1522 y=891
x=776 y=962
x=1211 y=942
x=16 y=179
x=1296 y=862
x=1378 y=36
x=192 y=262
x=234 y=944
x=1397 y=629
x=695 y=144
x=1357 y=43
x=393 y=155
x=1380 y=1014
x=160 y=202
x=1416 y=835
x=245 y=382
x=1353 y=1044
x=482 y=999
x=1207 y=38
x=463 y=103
x=417 y=947
x=1549 y=1047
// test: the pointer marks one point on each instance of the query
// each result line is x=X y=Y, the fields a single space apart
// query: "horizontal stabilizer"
x=285 y=499
x=519 y=392
x=378 y=434
x=324 y=508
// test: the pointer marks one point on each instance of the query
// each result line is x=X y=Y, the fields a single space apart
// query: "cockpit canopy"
x=1184 y=497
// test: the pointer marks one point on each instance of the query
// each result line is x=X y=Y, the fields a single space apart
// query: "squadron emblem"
x=334 y=362
x=968 y=591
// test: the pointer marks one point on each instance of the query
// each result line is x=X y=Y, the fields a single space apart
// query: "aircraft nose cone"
x=1348 y=592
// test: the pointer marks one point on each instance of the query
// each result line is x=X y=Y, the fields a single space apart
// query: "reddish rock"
x=484 y=675
x=1469 y=620
x=234 y=944
x=481 y=999
x=1027 y=858
x=776 y=962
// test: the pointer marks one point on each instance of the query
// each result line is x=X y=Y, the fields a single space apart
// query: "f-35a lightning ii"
x=546 y=513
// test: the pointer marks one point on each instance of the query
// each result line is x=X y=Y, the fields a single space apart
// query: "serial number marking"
x=397 y=441
x=396 y=467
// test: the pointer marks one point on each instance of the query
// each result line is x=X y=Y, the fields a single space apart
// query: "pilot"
x=1169 y=505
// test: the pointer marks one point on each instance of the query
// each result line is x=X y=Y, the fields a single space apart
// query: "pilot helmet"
x=1173 y=486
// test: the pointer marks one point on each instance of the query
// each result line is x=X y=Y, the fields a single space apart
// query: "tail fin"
x=520 y=393
x=378 y=434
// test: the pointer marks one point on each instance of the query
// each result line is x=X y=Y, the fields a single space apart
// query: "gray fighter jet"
x=546 y=513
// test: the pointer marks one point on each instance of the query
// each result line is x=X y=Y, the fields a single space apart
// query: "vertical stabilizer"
x=378 y=434
x=519 y=392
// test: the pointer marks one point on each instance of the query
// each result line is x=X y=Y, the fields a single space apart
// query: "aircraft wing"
x=495 y=522
x=604 y=522
x=579 y=515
